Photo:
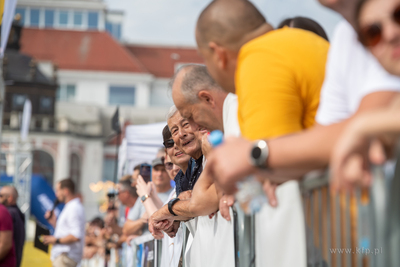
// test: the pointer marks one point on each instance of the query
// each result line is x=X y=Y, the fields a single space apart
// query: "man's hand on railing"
x=225 y=203
x=270 y=189
x=351 y=158
x=160 y=221
x=171 y=232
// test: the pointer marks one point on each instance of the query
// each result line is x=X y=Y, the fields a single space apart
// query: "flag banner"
x=7 y=10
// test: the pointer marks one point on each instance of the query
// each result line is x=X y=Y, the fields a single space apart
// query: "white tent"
x=143 y=143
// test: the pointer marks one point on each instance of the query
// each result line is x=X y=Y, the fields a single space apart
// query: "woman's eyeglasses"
x=371 y=35
x=169 y=143
x=168 y=165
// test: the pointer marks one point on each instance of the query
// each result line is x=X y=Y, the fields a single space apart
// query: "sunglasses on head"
x=169 y=143
x=168 y=165
x=371 y=35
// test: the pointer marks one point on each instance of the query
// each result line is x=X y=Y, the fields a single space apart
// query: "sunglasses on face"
x=371 y=35
x=168 y=165
x=169 y=143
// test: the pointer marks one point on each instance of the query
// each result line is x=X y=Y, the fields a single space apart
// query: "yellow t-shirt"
x=278 y=80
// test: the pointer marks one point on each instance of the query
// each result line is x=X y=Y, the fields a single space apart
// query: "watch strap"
x=171 y=203
x=144 y=198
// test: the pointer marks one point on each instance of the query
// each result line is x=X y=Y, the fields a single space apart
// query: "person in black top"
x=9 y=197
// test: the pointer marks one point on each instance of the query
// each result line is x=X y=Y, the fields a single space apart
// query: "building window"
x=18 y=102
x=93 y=20
x=66 y=92
x=49 y=18
x=108 y=169
x=120 y=95
x=46 y=105
x=21 y=12
x=78 y=19
x=114 y=29
x=63 y=19
x=34 y=17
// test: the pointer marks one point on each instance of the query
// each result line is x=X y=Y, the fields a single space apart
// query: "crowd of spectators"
x=288 y=102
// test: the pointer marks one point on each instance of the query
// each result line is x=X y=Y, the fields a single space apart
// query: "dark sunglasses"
x=371 y=35
x=169 y=143
x=168 y=165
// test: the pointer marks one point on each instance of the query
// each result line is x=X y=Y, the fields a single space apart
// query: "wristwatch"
x=58 y=241
x=172 y=203
x=259 y=154
x=143 y=198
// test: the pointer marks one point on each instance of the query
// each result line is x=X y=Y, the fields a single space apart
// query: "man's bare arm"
x=204 y=200
x=311 y=149
x=5 y=243
x=133 y=227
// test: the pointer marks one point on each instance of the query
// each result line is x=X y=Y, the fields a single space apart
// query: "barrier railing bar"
x=338 y=230
x=253 y=240
x=321 y=233
x=348 y=229
x=311 y=201
x=329 y=232
x=185 y=231
x=235 y=235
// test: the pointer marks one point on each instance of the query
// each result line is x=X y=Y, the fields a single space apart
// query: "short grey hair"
x=196 y=79
x=126 y=185
x=172 y=111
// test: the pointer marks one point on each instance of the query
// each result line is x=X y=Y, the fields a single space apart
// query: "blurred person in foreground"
x=277 y=76
x=9 y=198
x=354 y=83
x=364 y=141
x=305 y=24
x=378 y=25
x=7 y=247
x=69 y=228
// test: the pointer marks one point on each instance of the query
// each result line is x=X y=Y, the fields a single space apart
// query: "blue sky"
x=172 y=22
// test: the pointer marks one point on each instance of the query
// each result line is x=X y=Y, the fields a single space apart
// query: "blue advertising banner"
x=42 y=200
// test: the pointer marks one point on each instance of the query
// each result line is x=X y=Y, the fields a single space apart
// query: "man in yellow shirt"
x=277 y=74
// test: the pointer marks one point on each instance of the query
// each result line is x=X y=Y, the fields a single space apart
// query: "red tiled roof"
x=79 y=50
x=160 y=61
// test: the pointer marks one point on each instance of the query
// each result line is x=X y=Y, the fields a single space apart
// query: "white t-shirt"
x=351 y=74
x=70 y=222
x=230 y=116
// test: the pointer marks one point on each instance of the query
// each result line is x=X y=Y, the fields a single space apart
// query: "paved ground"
x=33 y=257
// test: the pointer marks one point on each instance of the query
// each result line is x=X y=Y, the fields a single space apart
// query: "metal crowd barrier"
x=354 y=229
x=359 y=229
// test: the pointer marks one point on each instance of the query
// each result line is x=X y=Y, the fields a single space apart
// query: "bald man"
x=277 y=76
x=9 y=197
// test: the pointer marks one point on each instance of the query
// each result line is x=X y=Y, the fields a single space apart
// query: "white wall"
x=92 y=87
x=91 y=172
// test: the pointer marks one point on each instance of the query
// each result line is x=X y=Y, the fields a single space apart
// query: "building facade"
x=77 y=45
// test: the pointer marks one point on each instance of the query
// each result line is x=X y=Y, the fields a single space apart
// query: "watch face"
x=143 y=198
x=256 y=153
